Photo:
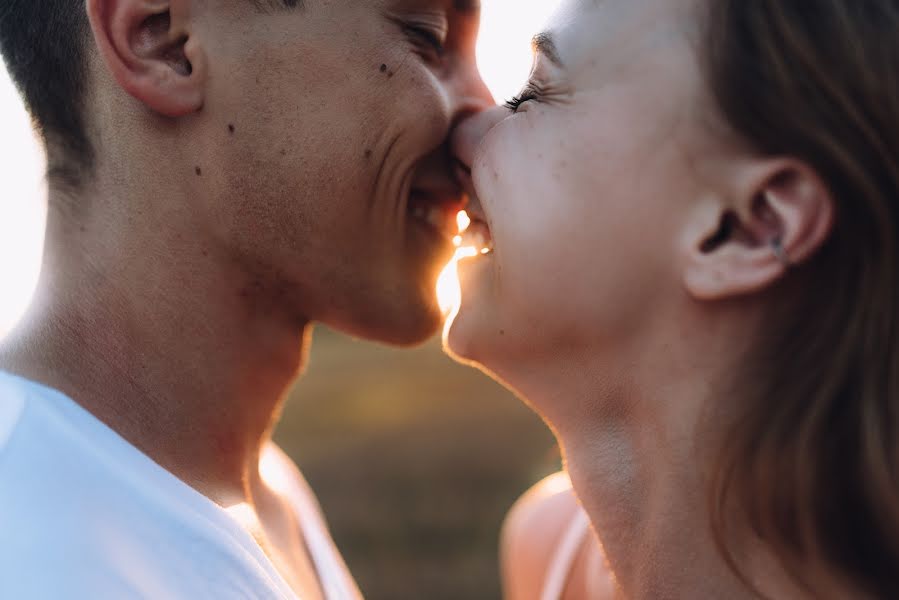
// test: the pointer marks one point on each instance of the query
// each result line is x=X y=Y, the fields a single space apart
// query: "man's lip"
x=473 y=205
x=463 y=176
x=451 y=198
x=442 y=208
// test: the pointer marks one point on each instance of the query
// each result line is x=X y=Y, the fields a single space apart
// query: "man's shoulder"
x=74 y=524
x=12 y=405
x=47 y=516
x=38 y=453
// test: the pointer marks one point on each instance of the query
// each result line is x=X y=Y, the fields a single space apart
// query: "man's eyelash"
x=426 y=37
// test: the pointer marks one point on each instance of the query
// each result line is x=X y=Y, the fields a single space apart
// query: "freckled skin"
x=279 y=203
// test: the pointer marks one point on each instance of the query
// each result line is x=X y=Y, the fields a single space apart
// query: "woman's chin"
x=467 y=330
x=460 y=337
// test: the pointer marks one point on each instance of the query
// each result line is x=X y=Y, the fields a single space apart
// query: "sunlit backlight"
x=463 y=221
x=273 y=472
x=504 y=58
x=504 y=44
x=246 y=517
x=449 y=292
x=22 y=207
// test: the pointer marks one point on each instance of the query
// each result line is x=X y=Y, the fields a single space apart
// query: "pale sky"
x=503 y=54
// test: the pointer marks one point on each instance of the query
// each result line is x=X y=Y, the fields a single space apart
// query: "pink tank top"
x=566 y=553
x=333 y=574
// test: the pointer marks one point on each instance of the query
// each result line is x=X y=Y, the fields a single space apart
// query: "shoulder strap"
x=333 y=574
x=566 y=553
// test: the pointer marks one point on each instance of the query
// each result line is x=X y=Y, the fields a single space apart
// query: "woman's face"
x=585 y=187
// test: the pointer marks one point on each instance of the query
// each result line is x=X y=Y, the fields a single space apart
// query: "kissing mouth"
x=436 y=210
x=474 y=231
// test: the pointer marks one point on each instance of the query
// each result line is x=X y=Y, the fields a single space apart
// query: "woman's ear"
x=150 y=49
x=778 y=216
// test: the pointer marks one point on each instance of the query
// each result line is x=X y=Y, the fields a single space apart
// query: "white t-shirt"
x=86 y=515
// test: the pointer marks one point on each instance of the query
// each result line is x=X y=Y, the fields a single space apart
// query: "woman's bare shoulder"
x=531 y=534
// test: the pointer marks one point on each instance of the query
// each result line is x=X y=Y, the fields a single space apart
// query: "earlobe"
x=149 y=49
x=775 y=221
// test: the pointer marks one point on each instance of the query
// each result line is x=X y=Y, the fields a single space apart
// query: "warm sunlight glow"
x=463 y=221
x=449 y=292
x=273 y=474
x=504 y=57
x=246 y=517
x=504 y=47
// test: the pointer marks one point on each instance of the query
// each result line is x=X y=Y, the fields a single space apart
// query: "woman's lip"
x=436 y=210
x=477 y=236
x=474 y=209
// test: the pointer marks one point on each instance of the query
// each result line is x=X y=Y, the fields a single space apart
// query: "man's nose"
x=471 y=94
x=468 y=134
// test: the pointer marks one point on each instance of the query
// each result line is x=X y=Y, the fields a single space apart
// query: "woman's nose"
x=469 y=133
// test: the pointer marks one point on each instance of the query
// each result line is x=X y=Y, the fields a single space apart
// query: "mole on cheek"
x=198 y=171
x=230 y=128
x=368 y=154
x=383 y=68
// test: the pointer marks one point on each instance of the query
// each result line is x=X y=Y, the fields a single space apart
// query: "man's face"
x=325 y=170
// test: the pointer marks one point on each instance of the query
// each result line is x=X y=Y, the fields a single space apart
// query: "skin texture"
x=632 y=264
x=254 y=175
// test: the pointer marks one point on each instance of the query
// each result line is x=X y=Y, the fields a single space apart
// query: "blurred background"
x=415 y=459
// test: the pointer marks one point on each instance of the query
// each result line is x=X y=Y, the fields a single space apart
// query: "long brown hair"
x=814 y=461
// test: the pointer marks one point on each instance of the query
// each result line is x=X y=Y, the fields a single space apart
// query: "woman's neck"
x=641 y=474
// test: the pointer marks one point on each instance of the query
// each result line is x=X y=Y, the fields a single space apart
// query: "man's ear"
x=149 y=48
x=777 y=216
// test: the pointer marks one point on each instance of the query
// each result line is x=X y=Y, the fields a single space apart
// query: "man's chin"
x=412 y=325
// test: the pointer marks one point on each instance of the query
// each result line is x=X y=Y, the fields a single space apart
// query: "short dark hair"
x=44 y=45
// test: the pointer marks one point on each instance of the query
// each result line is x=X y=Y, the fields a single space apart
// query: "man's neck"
x=177 y=349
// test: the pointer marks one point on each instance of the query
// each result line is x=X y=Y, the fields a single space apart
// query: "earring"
x=777 y=243
x=779 y=252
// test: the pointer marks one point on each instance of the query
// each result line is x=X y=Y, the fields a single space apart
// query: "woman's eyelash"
x=526 y=95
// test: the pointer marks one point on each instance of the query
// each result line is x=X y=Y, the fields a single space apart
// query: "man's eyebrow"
x=545 y=45
x=467 y=6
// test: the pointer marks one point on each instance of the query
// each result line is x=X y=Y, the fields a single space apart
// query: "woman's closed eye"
x=528 y=94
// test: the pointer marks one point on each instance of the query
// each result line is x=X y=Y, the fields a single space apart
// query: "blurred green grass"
x=415 y=460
